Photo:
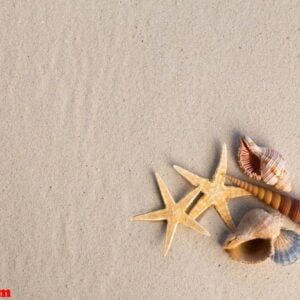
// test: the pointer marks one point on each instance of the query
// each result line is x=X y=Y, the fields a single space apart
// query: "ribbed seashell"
x=259 y=236
x=287 y=247
x=287 y=205
x=263 y=164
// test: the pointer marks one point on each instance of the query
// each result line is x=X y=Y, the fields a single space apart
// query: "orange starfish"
x=216 y=193
x=174 y=213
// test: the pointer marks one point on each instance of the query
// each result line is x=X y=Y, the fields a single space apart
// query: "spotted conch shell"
x=285 y=204
x=263 y=164
x=260 y=236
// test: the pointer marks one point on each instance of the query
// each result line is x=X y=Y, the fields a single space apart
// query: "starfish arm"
x=188 y=199
x=222 y=167
x=203 y=204
x=223 y=210
x=166 y=195
x=152 y=216
x=189 y=222
x=171 y=229
x=235 y=192
x=193 y=178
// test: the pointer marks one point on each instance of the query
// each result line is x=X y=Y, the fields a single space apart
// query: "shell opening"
x=252 y=251
x=249 y=162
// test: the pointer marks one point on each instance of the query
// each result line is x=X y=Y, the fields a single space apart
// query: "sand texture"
x=98 y=95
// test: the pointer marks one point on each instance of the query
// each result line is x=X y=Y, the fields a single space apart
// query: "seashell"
x=287 y=247
x=260 y=236
x=254 y=238
x=287 y=205
x=263 y=164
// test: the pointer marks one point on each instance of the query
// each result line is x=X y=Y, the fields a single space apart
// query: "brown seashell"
x=254 y=238
x=263 y=164
x=259 y=236
x=288 y=206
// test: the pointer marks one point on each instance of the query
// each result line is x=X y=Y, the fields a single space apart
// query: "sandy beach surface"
x=96 y=96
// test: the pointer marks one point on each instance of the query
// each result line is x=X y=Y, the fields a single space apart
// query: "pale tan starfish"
x=174 y=213
x=216 y=193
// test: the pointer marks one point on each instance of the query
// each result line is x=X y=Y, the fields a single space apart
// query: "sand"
x=98 y=95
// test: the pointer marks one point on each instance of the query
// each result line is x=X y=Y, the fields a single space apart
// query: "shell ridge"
x=286 y=247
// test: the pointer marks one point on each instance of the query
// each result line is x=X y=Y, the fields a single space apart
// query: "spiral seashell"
x=260 y=236
x=263 y=164
x=288 y=206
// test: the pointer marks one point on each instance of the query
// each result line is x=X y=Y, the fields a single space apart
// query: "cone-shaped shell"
x=287 y=205
x=254 y=238
x=263 y=164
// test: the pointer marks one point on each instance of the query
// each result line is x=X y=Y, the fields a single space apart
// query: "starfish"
x=216 y=193
x=174 y=213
